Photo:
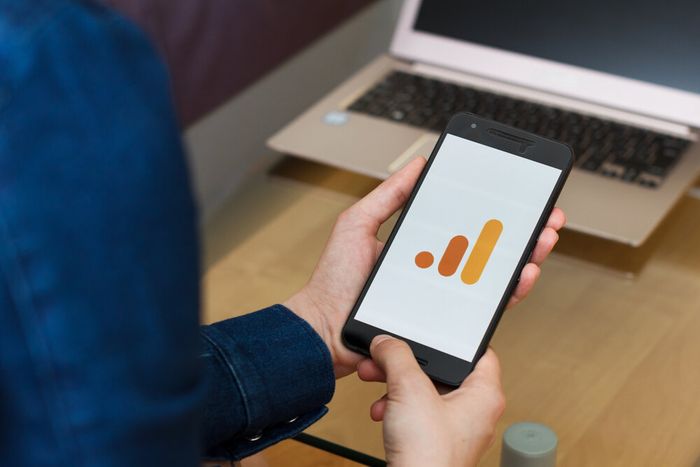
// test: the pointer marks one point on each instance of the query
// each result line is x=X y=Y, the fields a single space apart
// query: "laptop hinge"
x=500 y=87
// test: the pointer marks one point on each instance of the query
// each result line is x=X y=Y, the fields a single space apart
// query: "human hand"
x=352 y=250
x=421 y=426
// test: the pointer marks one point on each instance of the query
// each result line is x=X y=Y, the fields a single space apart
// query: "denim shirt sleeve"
x=270 y=376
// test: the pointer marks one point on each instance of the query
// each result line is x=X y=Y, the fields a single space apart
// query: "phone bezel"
x=441 y=366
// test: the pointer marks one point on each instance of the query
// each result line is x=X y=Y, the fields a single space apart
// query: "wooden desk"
x=611 y=363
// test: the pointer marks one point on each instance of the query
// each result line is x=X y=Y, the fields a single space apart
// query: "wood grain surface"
x=606 y=350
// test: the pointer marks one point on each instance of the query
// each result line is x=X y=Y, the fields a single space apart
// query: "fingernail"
x=380 y=338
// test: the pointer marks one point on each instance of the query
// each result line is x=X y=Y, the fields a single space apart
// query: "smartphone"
x=457 y=250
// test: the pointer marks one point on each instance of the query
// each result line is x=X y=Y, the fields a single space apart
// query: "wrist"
x=302 y=305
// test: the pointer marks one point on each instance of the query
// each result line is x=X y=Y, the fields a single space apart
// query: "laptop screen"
x=647 y=40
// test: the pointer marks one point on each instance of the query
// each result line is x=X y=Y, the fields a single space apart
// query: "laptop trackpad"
x=423 y=146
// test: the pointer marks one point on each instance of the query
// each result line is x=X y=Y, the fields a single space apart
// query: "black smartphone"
x=456 y=252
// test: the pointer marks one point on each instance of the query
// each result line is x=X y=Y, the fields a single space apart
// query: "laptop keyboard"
x=608 y=148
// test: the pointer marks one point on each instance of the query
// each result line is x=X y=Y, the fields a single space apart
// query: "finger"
x=487 y=372
x=368 y=371
x=484 y=381
x=484 y=385
x=528 y=278
x=380 y=247
x=395 y=358
x=378 y=409
x=388 y=197
x=488 y=368
x=557 y=219
x=545 y=244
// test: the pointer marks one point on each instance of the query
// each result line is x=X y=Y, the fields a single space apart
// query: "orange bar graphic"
x=453 y=255
x=482 y=251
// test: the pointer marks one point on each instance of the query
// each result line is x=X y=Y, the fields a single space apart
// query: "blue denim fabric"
x=281 y=370
x=101 y=358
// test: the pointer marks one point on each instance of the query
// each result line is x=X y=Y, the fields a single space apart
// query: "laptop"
x=619 y=81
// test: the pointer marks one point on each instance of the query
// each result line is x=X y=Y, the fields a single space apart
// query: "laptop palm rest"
x=422 y=146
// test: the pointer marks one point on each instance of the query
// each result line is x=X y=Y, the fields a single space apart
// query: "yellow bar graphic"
x=482 y=251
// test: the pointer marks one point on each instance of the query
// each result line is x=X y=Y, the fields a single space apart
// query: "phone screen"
x=452 y=259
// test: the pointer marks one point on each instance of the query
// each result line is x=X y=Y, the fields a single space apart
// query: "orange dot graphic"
x=424 y=259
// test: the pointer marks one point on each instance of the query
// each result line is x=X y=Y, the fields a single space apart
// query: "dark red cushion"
x=215 y=48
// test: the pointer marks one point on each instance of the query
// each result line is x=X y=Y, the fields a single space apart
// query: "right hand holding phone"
x=423 y=427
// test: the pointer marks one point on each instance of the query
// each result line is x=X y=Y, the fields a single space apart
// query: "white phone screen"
x=451 y=261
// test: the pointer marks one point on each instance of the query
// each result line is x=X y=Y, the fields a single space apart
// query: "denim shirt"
x=102 y=360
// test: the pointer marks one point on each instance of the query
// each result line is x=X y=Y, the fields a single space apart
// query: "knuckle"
x=499 y=404
x=400 y=197
x=550 y=235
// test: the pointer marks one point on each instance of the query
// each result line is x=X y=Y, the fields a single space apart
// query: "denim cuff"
x=239 y=448
x=271 y=372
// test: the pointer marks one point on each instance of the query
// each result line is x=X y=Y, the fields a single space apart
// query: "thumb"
x=396 y=359
x=389 y=196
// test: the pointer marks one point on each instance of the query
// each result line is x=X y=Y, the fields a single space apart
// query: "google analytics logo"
x=456 y=249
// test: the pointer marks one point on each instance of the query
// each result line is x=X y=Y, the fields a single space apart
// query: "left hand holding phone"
x=352 y=250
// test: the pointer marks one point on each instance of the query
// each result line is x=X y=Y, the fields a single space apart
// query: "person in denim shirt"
x=102 y=359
